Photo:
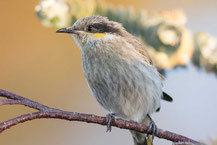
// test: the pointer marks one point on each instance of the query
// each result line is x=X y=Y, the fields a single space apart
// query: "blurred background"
x=37 y=63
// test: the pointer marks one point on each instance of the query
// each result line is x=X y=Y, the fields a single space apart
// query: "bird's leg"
x=152 y=127
x=109 y=118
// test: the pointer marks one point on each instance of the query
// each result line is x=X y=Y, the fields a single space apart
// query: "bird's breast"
x=120 y=84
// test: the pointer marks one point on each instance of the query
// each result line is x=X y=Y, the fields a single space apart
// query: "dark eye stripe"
x=102 y=28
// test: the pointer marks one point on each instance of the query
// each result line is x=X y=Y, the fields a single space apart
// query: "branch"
x=48 y=112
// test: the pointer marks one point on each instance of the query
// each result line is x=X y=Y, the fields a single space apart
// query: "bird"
x=119 y=71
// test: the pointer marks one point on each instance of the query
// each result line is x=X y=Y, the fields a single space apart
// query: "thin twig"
x=47 y=112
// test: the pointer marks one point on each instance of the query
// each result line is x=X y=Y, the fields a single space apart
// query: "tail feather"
x=139 y=138
x=166 y=97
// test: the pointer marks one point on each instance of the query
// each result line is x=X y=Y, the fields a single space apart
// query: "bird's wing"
x=144 y=52
x=140 y=48
x=146 y=55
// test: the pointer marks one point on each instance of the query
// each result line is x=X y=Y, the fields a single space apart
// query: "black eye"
x=89 y=28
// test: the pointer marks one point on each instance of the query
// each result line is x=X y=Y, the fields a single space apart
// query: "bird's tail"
x=140 y=138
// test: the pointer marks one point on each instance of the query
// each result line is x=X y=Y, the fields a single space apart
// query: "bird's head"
x=93 y=28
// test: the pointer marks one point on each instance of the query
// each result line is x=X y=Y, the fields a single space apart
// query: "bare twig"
x=47 y=112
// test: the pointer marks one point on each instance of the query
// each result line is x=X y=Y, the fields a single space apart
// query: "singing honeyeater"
x=119 y=70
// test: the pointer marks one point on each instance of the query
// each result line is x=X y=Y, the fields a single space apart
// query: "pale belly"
x=129 y=92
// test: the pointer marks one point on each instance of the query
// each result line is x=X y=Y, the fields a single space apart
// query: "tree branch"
x=48 y=112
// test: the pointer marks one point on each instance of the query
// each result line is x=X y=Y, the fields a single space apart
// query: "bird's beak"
x=66 y=30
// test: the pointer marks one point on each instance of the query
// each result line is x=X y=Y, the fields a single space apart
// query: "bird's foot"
x=109 y=118
x=151 y=128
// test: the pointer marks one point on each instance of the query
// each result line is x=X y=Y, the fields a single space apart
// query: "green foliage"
x=135 y=24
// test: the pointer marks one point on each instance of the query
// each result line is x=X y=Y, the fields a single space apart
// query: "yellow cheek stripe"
x=98 y=35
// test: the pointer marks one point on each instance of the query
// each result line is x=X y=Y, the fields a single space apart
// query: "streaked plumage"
x=118 y=69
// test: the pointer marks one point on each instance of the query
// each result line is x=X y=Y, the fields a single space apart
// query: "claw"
x=152 y=127
x=109 y=118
